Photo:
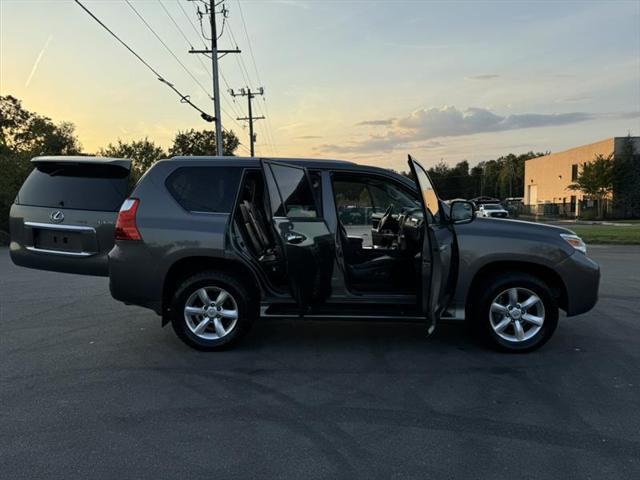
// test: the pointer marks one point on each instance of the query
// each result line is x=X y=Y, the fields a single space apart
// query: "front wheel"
x=515 y=312
x=212 y=311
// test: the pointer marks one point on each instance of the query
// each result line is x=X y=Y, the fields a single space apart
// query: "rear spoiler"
x=82 y=160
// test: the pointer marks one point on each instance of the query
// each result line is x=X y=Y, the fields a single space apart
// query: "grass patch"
x=602 y=234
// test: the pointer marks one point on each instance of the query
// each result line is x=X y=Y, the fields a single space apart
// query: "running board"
x=268 y=311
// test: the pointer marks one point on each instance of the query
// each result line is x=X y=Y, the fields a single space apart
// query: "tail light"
x=126 y=228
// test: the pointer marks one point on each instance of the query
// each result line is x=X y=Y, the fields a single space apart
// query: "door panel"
x=437 y=252
x=308 y=245
x=64 y=216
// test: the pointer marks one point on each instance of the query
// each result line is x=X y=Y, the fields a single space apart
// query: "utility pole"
x=211 y=10
x=250 y=96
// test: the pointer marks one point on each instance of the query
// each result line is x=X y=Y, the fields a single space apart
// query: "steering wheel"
x=385 y=218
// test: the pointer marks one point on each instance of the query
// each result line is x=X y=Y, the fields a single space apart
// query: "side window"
x=385 y=194
x=205 y=189
x=429 y=196
x=297 y=197
x=353 y=202
x=359 y=198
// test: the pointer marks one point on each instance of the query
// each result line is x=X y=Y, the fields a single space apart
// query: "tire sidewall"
x=482 y=306
x=246 y=309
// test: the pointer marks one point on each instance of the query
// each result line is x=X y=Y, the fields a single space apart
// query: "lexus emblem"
x=56 y=216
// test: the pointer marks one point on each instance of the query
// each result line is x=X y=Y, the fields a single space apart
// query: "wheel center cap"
x=516 y=314
x=212 y=311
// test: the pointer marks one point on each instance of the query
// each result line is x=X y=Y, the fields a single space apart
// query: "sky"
x=360 y=80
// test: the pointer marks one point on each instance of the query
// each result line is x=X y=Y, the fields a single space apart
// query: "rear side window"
x=295 y=192
x=205 y=189
x=77 y=187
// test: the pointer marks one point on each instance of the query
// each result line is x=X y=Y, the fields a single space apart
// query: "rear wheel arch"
x=189 y=266
x=495 y=269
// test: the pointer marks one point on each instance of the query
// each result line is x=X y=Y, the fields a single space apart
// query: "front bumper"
x=581 y=277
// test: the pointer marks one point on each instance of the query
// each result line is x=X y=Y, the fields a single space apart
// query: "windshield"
x=492 y=207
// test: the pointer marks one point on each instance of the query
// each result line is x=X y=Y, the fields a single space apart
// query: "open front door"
x=437 y=248
x=307 y=244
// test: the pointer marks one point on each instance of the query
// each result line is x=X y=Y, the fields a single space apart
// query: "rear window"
x=77 y=187
x=205 y=189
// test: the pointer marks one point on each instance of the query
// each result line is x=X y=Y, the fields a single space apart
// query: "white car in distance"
x=492 y=210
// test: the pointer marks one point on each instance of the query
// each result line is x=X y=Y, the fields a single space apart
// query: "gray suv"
x=213 y=243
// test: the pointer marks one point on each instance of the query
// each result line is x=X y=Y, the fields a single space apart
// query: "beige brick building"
x=546 y=178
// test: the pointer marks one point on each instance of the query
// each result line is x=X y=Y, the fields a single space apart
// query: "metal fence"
x=582 y=209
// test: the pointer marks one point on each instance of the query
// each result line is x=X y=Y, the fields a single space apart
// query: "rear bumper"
x=581 y=277
x=133 y=277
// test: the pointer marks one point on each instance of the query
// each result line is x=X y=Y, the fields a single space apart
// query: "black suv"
x=213 y=243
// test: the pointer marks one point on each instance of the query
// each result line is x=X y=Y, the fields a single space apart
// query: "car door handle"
x=294 y=238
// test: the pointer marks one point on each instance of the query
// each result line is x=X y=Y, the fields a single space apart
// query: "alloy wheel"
x=517 y=314
x=211 y=313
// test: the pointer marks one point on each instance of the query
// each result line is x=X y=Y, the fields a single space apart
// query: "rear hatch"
x=64 y=216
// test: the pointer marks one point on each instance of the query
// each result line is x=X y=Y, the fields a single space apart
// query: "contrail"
x=37 y=62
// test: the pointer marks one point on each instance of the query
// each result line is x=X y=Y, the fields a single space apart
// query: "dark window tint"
x=295 y=191
x=78 y=187
x=205 y=189
x=353 y=201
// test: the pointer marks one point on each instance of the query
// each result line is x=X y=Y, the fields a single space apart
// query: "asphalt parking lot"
x=90 y=388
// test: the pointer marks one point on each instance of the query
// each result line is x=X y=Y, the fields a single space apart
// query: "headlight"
x=575 y=241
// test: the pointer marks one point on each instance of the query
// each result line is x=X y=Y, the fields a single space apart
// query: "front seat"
x=375 y=272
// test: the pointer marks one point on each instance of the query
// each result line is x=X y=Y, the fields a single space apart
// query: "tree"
x=626 y=194
x=596 y=180
x=144 y=153
x=202 y=142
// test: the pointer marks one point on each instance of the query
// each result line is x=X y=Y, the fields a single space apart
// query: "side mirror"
x=462 y=212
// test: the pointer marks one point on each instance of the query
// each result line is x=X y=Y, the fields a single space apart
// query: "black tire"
x=490 y=289
x=247 y=307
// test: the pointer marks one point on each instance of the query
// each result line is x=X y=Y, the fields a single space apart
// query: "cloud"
x=417 y=46
x=485 y=76
x=574 y=99
x=448 y=121
x=387 y=121
x=37 y=62
x=308 y=137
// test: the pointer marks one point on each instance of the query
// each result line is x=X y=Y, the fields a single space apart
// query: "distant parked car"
x=492 y=210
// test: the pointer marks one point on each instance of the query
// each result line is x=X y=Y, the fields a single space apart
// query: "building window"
x=574 y=173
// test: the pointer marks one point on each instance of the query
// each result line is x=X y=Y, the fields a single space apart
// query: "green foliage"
x=500 y=178
x=626 y=181
x=144 y=153
x=202 y=142
x=596 y=179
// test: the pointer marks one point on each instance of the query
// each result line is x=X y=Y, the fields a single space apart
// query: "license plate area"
x=58 y=240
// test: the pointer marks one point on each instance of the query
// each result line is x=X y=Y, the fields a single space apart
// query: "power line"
x=195 y=29
x=255 y=67
x=183 y=98
x=204 y=67
x=168 y=49
x=176 y=24
x=250 y=96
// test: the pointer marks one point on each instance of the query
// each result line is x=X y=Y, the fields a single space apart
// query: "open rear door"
x=436 y=248
x=307 y=244
x=64 y=216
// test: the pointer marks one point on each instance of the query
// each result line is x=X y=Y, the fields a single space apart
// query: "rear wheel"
x=515 y=312
x=212 y=311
